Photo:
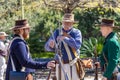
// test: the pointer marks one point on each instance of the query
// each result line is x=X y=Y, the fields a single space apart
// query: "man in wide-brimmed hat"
x=20 y=54
x=3 y=53
x=68 y=39
x=110 y=55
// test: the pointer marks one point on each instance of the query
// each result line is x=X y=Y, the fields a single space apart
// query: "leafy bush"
x=43 y=55
x=90 y=16
x=89 y=46
x=41 y=19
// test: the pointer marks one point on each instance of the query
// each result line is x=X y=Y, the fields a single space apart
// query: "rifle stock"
x=62 y=68
x=48 y=78
x=96 y=65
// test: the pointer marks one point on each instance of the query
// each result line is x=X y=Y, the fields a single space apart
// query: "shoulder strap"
x=66 y=46
x=75 y=53
x=13 y=66
x=68 y=51
x=105 y=58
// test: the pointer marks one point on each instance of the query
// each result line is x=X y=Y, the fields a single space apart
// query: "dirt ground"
x=90 y=75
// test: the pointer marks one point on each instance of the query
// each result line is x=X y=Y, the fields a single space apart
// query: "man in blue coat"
x=69 y=40
x=19 y=52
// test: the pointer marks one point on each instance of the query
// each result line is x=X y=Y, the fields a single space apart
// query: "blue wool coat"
x=21 y=58
x=74 y=41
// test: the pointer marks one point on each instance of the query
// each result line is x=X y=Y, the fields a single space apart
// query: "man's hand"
x=104 y=78
x=61 y=38
x=52 y=43
x=51 y=65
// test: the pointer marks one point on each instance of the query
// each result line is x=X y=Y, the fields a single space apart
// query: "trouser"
x=115 y=75
x=71 y=72
x=2 y=67
x=118 y=76
x=29 y=77
x=111 y=78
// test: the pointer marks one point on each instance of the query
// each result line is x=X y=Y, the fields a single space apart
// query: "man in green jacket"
x=110 y=55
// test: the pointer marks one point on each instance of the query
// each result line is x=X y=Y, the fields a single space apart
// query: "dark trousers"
x=112 y=78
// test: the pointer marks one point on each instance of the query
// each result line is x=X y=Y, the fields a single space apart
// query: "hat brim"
x=4 y=35
x=101 y=25
x=70 y=21
x=14 y=28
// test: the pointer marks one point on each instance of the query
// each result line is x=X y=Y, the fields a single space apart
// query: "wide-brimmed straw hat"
x=108 y=23
x=69 y=17
x=3 y=34
x=19 y=24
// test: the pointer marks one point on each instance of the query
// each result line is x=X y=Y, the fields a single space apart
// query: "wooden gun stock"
x=96 y=65
x=48 y=78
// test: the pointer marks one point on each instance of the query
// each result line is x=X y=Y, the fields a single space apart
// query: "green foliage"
x=41 y=19
x=90 y=16
x=43 y=55
x=47 y=19
x=89 y=46
x=36 y=43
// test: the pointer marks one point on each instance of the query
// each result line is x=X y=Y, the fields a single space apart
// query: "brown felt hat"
x=69 y=17
x=19 y=24
x=108 y=23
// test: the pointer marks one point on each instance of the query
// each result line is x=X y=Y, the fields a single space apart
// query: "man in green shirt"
x=110 y=55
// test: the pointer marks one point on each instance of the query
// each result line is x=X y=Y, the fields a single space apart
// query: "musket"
x=96 y=65
x=58 y=55
x=48 y=78
x=62 y=68
x=50 y=71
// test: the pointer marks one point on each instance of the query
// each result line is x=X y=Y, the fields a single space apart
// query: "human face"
x=3 y=37
x=105 y=30
x=67 y=25
x=26 y=32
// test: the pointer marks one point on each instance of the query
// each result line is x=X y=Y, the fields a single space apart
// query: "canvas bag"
x=15 y=75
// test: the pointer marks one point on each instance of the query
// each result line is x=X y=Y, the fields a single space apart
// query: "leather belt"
x=64 y=62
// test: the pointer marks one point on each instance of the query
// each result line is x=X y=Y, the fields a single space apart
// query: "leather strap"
x=59 y=72
x=105 y=65
x=68 y=51
x=105 y=58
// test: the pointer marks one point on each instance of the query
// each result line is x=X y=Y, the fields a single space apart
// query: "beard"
x=26 y=35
